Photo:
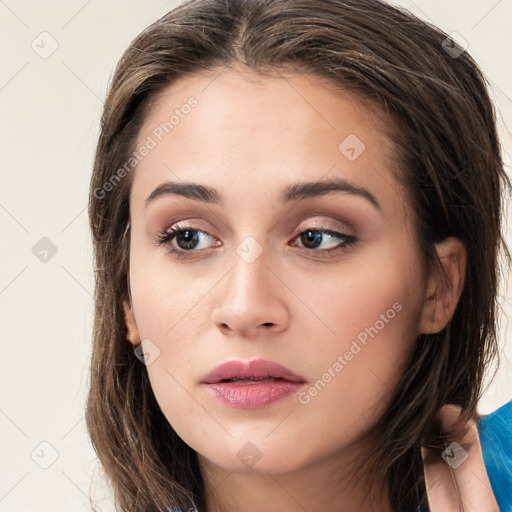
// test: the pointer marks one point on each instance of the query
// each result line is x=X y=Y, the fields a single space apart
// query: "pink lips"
x=252 y=384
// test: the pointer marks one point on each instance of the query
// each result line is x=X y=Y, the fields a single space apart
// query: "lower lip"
x=253 y=396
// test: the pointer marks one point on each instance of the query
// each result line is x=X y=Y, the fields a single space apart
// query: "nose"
x=252 y=299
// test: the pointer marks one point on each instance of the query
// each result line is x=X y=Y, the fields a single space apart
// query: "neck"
x=324 y=485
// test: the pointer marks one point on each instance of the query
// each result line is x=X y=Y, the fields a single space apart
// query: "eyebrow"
x=295 y=192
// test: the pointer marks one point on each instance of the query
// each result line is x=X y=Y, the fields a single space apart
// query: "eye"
x=182 y=238
x=333 y=241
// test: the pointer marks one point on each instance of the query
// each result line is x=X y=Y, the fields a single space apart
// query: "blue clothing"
x=495 y=432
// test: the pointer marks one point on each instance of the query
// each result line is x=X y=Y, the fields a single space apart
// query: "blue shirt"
x=495 y=432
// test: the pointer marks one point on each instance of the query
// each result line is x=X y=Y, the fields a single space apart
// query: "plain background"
x=50 y=110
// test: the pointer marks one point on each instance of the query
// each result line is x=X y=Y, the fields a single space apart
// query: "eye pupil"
x=189 y=237
x=312 y=237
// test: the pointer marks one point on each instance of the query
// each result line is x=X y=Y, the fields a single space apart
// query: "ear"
x=444 y=286
x=133 y=333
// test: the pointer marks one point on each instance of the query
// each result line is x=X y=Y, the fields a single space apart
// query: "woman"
x=296 y=213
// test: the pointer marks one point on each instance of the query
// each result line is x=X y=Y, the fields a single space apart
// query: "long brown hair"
x=447 y=155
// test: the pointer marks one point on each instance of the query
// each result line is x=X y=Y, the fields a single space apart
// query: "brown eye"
x=312 y=239
x=182 y=239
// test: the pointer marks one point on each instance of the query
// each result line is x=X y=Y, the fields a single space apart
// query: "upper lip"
x=254 y=369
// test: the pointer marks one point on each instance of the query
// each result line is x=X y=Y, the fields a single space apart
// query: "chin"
x=261 y=467
x=256 y=457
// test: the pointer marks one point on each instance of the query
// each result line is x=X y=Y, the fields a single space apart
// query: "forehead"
x=250 y=134
x=304 y=104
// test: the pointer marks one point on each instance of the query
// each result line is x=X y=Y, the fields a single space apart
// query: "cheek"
x=171 y=311
x=166 y=301
x=369 y=323
x=374 y=296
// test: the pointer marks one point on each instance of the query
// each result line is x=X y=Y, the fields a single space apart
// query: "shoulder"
x=495 y=432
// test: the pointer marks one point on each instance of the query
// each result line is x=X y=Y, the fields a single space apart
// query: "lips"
x=253 y=384
x=257 y=370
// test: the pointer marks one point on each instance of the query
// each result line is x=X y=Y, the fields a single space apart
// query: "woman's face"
x=325 y=281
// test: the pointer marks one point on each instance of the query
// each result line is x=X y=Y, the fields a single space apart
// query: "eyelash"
x=167 y=236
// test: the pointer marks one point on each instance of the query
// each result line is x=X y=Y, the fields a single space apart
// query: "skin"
x=249 y=137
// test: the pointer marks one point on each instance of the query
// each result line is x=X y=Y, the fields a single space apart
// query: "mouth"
x=253 y=384
x=256 y=370
x=253 y=380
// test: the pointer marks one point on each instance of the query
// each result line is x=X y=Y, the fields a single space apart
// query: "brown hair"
x=448 y=157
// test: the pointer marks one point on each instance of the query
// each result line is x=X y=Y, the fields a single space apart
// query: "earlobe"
x=444 y=288
x=132 y=332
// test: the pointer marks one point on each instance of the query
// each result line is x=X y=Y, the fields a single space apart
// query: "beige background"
x=50 y=110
